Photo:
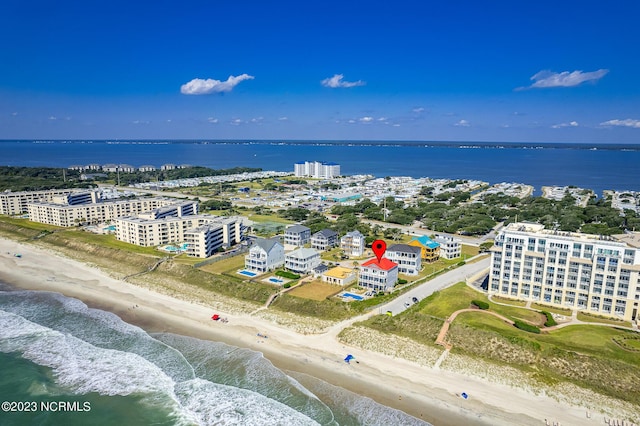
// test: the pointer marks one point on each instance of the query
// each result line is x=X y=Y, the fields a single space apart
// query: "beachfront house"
x=407 y=257
x=265 y=255
x=378 y=276
x=297 y=235
x=353 y=244
x=430 y=249
x=339 y=275
x=324 y=240
x=450 y=247
x=302 y=260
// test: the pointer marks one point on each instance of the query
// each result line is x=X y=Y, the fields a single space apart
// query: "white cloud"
x=199 y=86
x=140 y=122
x=236 y=122
x=546 y=78
x=336 y=81
x=283 y=118
x=462 y=123
x=53 y=118
x=351 y=121
x=624 y=123
x=561 y=125
x=212 y=120
x=14 y=114
x=418 y=110
x=366 y=119
x=257 y=120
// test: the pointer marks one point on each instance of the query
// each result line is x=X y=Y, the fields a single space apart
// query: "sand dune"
x=412 y=385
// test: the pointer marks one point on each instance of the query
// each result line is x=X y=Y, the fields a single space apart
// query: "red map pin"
x=379 y=247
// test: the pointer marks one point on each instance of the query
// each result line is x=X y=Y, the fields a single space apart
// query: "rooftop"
x=426 y=242
x=339 y=272
x=384 y=264
x=404 y=248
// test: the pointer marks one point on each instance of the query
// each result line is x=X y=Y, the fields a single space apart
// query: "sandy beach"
x=422 y=391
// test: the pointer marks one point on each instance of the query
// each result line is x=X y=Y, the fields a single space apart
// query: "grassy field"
x=587 y=317
x=552 y=309
x=229 y=265
x=316 y=290
x=509 y=301
x=605 y=359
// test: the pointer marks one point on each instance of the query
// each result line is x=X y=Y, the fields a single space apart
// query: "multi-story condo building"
x=353 y=244
x=206 y=239
x=378 y=276
x=598 y=274
x=63 y=214
x=324 y=240
x=203 y=234
x=450 y=247
x=264 y=255
x=297 y=235
x=316 y=169
x=407 y=257
x=430 y=249
x=302 y=260
x=12 y=203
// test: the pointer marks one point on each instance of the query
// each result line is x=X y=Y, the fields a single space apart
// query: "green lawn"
x=583 y=316
x=229 y=265
x=552 y=309
x=509 y=301
x=260 y=218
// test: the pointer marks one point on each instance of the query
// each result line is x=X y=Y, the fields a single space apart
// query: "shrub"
x=526 y=327
x=480 y=304
x=462 y=263
x=402 y=281
x=287 y=274
x=287 y=285
x=550 y=322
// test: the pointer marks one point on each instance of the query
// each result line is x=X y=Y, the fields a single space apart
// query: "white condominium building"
x=597 y=274
x=203 y=234
x=316 y=169
x=12 y=203
x=62 y=214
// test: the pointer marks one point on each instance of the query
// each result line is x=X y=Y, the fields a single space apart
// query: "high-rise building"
x=597 y=274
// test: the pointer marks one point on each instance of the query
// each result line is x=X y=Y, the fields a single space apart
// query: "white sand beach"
x=420 y=390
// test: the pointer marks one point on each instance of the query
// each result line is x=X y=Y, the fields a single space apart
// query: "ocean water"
x=57 y=352
x=594 y=166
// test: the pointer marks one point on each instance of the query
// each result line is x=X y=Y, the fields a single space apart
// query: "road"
x=440 y=282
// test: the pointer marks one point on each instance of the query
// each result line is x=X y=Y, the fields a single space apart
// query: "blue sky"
x=545 y=71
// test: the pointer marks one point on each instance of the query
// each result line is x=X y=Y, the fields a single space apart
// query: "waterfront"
x=597 y=167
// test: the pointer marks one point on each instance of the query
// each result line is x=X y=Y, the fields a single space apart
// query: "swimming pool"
x=109 y=228
x=247 y=273
x=352 y=296
x=275 y=280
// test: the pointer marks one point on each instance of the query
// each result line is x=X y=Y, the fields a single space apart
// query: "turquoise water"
x=54 y=348
x=247 y=273
x=352 y=296
x=110 y=228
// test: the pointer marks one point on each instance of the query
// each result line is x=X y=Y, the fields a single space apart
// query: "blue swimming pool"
x=275 y=280
x=110 y=228
x=352 y=296
x=247 y=273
